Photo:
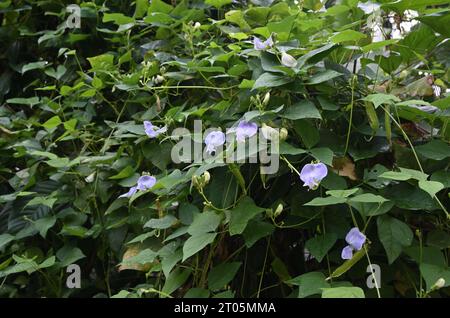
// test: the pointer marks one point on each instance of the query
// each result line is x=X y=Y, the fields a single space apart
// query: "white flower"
x=369 y=7
x=288 y=60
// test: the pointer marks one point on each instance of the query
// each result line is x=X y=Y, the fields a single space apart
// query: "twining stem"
x=351 y=115
x=264 y=268
x=373 y=275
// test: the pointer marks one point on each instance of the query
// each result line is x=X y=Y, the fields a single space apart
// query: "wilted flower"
x=213 y=140
x=129 y=193
x=288 y=60
x=245 y=129
x=145 y=182
x=260 y=45
x=153 y=131
x=312 y=174
x=355 y=240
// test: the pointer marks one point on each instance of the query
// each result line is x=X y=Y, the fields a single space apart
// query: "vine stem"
x=351 y=115
x=264 y=268
x=371 y=271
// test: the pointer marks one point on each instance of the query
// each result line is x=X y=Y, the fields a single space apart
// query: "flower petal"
x=145 y=182
x=355 y=238
x=312 y=174
x=245 y=129
x=347 y=252
x=130 y=192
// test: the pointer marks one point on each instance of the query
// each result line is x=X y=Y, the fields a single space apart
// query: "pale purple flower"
x=245 y=129
x=347 y=252
x=213 y=140
x=153 y=131
x=355 y=240
x=312 y=174
x=260 y=45
x=145 y=182
x=130 y=193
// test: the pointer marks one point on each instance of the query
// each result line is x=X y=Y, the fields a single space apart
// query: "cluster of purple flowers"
x=216 y=139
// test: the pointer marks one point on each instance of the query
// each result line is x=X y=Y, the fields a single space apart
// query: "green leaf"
x=324 y=155
x=44 y=224
x=196 y=243
x=309 y=284
x=24 y=101
x=342 y=193
x=34 y=66
x=270 y=80
x=320 y=245
x=343 y=292
x=431 y=273
x=307 y=131
x=68 y=255
x=323 y=77
x=325 y=201
x=5 y=239
x=126 y=172
x=207 y=221
x=394 y=235
x=241 y=214
x=347 y=35
x=378 y=45
x=221 y=275
x=435 y=149
x=379 y=99
x=197 y=293
x=218 y=3
x=117 y=18
x=175 y=280
x=255 y=231
x=52 y=123
x=303 y=109
x=165 y=222
x=431 y=187
x=368 y=198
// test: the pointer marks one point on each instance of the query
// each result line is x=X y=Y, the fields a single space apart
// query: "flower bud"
x=205 y=178
x=197 y=25
x=439 y=283
x=266 y=99
x=268 y=132
x=278 y=210
x=283 y=134
x=159 y=79
x=288 y=60
x=195 y=181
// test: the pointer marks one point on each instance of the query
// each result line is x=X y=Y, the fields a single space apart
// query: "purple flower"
x=312 y=174
x=145 y=182
x=262 y=45
x=213 y=140
x=355 y=240
x=245 y=129
x=129 y=193
x=347 y=252
x=153 y=131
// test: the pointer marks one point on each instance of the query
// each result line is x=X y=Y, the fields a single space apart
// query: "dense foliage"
x=357 y=89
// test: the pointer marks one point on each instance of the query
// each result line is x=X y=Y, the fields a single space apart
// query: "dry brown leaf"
x=345 y=167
